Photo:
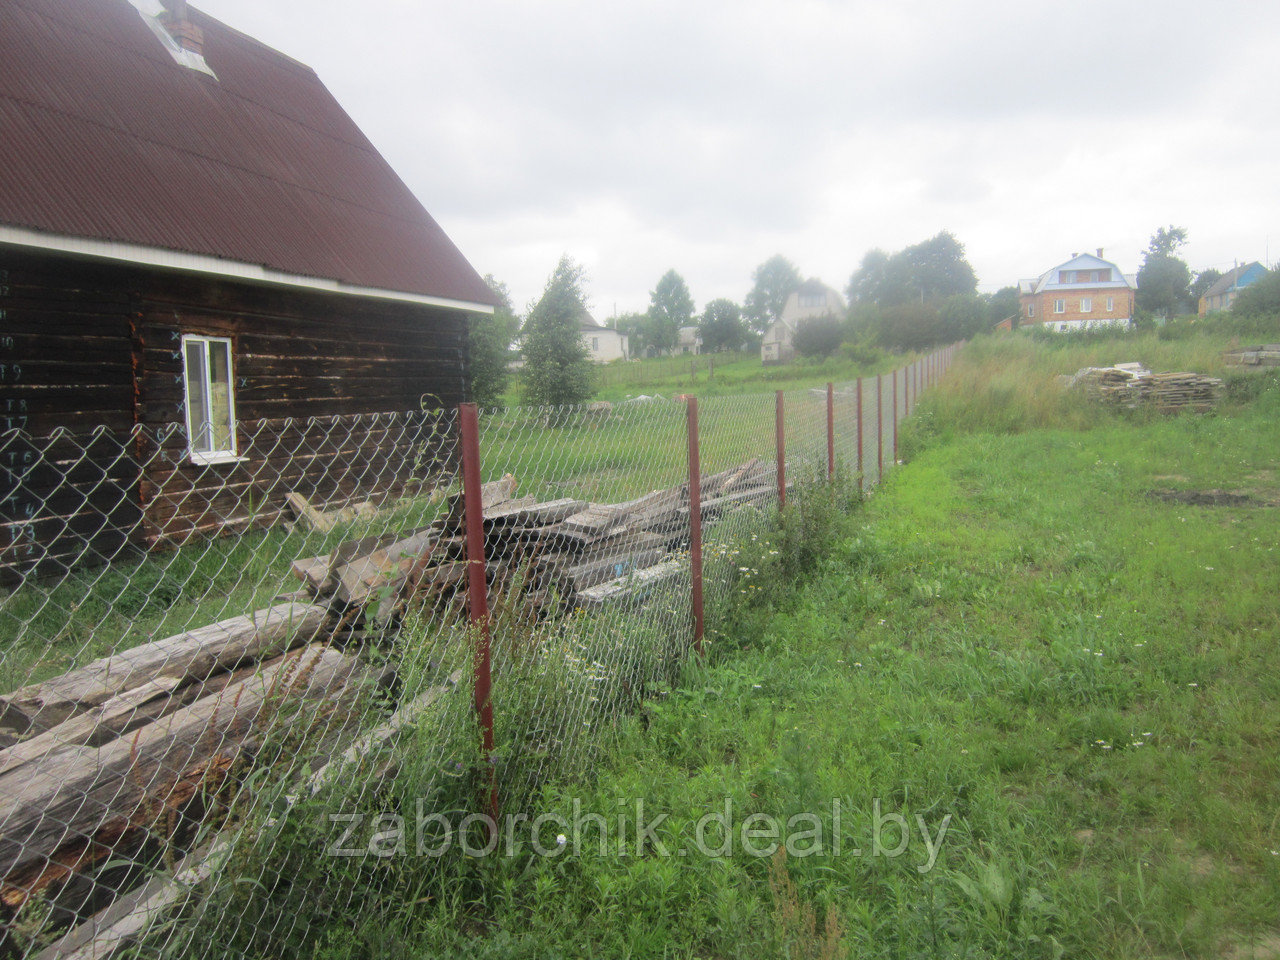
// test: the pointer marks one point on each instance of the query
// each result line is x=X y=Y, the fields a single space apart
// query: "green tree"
x=1202 y=282
x=721 y=326
x=1164 y=279
x=1260 y=298
x=932 y=269
x=670 y=308
x=866 y=286
x=557 y=365
x=490 y=337
x=633 y=326
x=818 y=336
x=1002 y=304
x=771 y=283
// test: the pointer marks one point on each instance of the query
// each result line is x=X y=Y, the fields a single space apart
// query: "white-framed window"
x=811 y=300
x=595 y=344
x=1111 y=304
x=210 y=399
x=1086 y=304
x=1059 y=306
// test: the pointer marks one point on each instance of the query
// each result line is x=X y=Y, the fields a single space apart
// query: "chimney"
x=1099 y=253
x=177 y=21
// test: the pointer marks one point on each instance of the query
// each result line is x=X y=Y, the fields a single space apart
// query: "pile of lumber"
x=1182 y=391
x=1263 y=355
x=1131 y=384
x=135 y=750
x=561 y=554
x=106 y=767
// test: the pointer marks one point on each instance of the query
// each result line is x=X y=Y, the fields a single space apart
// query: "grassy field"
x=1047 y=644
x=723 y=373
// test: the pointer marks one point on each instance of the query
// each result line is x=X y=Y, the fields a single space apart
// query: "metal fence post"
x=695 y=522
x=477 y=590
x=879 y=427
x=861 y=478
x=780 y=434
x=895 y=416
x=831 y=431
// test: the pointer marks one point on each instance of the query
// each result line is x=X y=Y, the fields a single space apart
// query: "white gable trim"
x=202 y=263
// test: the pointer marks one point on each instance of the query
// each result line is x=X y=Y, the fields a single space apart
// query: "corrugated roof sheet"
x=107 y=137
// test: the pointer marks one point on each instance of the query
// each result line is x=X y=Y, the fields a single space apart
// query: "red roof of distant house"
x=107 y=137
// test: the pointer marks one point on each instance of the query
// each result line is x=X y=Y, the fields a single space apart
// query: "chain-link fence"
x=228 y=678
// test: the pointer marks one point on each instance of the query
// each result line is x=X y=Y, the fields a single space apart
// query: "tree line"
x=910 y=299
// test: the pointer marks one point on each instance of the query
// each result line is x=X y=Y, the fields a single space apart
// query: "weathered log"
x=130 y=916
x=123 y=714
x=73 y=791
x=193 y=655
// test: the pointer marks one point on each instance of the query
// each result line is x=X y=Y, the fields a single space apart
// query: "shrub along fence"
x=221 y=684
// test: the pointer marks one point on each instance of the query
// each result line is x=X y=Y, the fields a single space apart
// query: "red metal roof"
x=107 y=137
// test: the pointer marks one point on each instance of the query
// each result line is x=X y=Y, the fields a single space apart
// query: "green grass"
x=1013 y=634
x=722 y=374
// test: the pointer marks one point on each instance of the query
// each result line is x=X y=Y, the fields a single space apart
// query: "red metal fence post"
x=780 y=434
x=861 y=484
x=477 y=590
x=879 y=427
x=831 y=431
x=895 y=417
x=695 y=522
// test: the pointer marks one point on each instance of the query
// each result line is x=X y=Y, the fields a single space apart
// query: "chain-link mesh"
x=214 y=669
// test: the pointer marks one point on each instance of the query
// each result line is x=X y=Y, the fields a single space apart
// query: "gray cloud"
x=707 y=136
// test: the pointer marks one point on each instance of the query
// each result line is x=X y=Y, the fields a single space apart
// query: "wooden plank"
x=75 y=790
x=633 y=587
x=192 y=655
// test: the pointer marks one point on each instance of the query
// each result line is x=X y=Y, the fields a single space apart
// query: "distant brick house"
x=1082 y=293
x=1224 y=291
x=810 y=300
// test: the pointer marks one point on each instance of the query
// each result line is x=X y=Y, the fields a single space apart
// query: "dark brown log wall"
x=86 y=344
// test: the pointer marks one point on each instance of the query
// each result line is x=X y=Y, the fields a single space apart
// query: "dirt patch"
x=1265 y=947
x=1208 y=498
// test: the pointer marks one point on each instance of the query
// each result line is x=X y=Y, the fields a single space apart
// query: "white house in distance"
x=604 y=343
x=810 y=300
x=1081 y=293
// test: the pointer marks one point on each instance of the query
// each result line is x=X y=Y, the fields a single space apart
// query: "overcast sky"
x=708 y=135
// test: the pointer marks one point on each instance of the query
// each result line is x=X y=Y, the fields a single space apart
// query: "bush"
x=818 y=336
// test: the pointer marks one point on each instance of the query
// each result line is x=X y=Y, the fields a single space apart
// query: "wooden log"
x=193 y=655
x=129 y=917
x=74 y=791
x=123 y=714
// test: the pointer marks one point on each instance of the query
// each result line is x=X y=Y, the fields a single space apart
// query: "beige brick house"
x=1082 y=293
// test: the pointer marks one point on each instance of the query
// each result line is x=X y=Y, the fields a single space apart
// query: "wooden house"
x=200 y=254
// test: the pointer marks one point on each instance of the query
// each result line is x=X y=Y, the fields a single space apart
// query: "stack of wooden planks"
x=561 y=554
x=1263 y=355
x=105 y=767
x=1131 y=384
x=1182 y=391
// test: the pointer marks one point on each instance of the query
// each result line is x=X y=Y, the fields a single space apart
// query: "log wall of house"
x=91 y=345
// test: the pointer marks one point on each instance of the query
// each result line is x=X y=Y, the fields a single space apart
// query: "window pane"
x=197 y=401
x=220 y=395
